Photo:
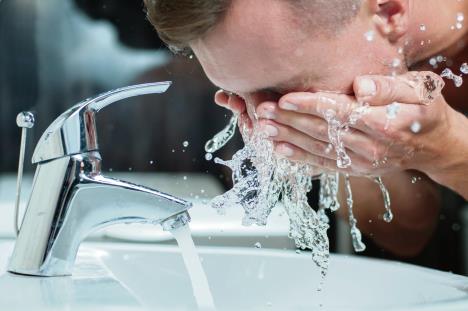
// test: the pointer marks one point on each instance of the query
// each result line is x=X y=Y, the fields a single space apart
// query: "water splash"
x=356 y=235
x=337 y=127
x=388 y=216
x=223 y=137
x=457 y=80
x=261 y=179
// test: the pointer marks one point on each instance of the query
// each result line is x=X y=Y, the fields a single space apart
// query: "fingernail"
x=270 y=130
x=266 y=113
x=288 y=106
x=366 y=87
x=285 y=151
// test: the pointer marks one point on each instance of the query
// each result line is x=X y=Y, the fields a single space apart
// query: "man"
x=287 y=61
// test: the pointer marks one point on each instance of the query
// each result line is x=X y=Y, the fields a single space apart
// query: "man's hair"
x=179 y=22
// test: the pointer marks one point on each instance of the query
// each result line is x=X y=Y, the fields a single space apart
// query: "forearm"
x=415 y=207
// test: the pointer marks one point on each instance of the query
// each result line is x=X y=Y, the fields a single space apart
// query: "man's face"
x=262 y=49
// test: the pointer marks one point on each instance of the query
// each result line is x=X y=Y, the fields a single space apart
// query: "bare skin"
x=277 y=71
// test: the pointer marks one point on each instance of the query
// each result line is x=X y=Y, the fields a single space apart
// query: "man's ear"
x=390 y=17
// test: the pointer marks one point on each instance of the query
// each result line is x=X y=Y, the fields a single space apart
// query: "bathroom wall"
x=56 y=53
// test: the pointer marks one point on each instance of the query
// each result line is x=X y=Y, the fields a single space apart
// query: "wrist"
x=452 y=167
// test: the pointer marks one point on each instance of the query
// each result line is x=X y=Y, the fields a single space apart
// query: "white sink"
x=124 y=276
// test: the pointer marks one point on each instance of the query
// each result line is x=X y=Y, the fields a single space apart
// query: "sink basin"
x=125 y=276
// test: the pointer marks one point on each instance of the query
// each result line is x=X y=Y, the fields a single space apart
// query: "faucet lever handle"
x=74 y=131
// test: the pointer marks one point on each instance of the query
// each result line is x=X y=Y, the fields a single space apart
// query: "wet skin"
x=282 y=71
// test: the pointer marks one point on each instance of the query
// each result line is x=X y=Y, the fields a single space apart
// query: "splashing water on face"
x=262 y=179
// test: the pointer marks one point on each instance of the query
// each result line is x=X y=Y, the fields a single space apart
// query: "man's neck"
x=441 y=32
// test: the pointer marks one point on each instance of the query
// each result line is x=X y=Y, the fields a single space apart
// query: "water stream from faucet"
x=200 y=286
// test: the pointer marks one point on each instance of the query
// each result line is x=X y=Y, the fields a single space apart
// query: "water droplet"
x=433 y=62
x=388 y=216
x=422 y=27
x=185 y=144
x=111 y=169
x=151 y=162
x=396 y=62
x=369 y=35
x=185 y=177
x=258 y=245
x=208 y=156
x=392 y=110
x=459 y=25
x=464 y=68
x=416 y=127
x=298 y=251
x=130 y=169
x=457 y=80
x=460 y=17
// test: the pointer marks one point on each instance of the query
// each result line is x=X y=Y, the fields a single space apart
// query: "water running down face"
x=261 y=53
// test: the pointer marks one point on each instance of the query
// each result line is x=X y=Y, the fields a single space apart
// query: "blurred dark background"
x=55 y=53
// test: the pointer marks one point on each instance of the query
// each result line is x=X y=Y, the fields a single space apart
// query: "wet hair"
x=179 y=22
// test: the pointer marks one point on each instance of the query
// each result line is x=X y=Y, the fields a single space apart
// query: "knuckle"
x=386 y=90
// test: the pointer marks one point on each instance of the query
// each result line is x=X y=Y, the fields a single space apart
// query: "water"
x=223 y=137
x=356 y=235
x=370 y=35
x=200 y=286
x=388 y=215
x=337 y=127
x=457 y=80
x=262 y=179
x=415 y=127
x=464 y=68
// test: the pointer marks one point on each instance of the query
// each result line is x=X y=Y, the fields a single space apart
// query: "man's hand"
x=401 y=130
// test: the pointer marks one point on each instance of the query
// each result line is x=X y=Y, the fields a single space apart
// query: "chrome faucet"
x=71 y=198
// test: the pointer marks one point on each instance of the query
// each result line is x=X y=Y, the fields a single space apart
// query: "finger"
x=230 y=101
x=297 y=154
x=318 y=104
x=245 y=123
x=281 y=133
x=313 y=126
x=361 y=143
x=410 y=88
x=359 y=166
x=221 y=98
